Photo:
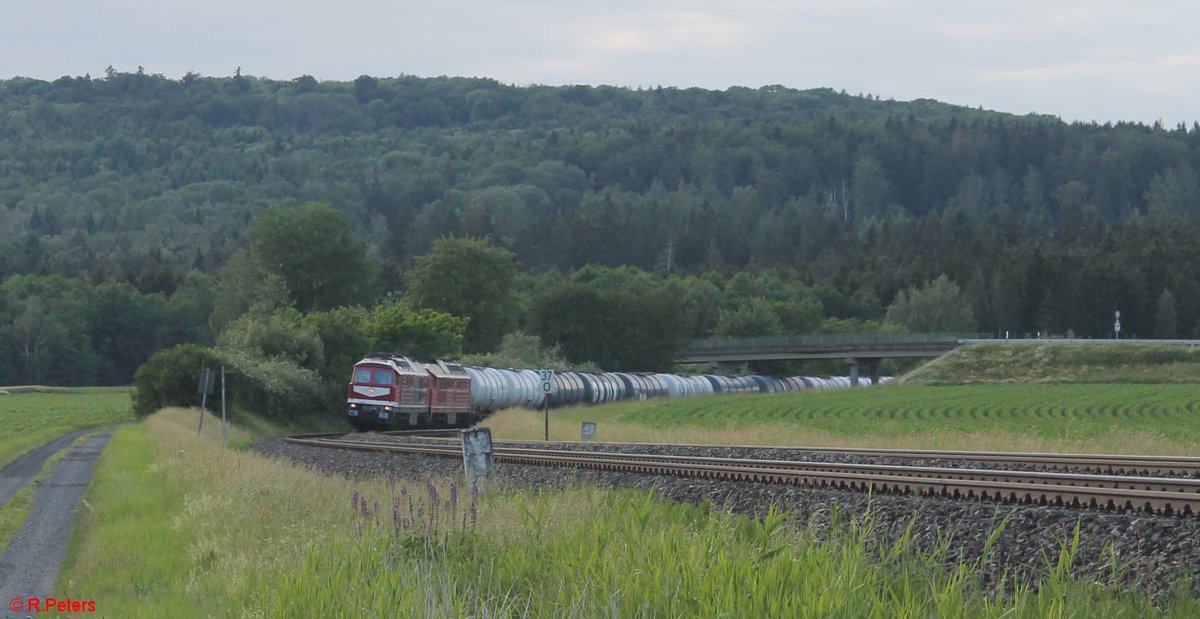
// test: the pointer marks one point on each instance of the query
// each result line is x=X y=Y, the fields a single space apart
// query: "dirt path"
x=29 y=567
x=21 y=471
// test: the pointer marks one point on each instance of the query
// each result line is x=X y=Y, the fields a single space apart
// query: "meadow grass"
x=33 y=416
x=1106 y=418
x=175 y=525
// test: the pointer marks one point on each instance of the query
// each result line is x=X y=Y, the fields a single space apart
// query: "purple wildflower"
x=433 y=502
x=363 y=504
x=392 y=480
x=354 y=501
x=453 y=496
x=474 y=504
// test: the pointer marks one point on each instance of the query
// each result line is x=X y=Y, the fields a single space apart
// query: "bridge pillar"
x=739 y=367
x=869 y=364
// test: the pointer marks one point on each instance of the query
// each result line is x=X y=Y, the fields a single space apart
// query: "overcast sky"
x=1097 y=60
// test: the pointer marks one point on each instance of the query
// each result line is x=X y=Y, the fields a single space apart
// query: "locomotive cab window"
x=383 y=377
x=362 y=376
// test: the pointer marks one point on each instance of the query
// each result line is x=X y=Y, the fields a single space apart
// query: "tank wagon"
x=388 y=391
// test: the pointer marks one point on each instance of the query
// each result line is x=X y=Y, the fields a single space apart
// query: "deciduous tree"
x=315 y=252
x=470 y=279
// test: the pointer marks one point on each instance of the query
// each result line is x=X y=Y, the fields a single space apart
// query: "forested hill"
x=609 y=175
x=1043 y=226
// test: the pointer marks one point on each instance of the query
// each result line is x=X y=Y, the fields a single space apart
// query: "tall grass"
x=177 y=525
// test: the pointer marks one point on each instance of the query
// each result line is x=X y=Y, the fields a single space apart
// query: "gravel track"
x=18 y=473
x=1153 y=552
x=30 y=564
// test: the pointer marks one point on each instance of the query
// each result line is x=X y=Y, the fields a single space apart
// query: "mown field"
x=178 y=524
x=33 y=416
x=1113 y=418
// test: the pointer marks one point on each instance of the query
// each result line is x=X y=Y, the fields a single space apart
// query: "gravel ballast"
x=1152 y=552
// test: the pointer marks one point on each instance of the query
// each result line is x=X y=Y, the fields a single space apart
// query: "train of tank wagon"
x=391 y=392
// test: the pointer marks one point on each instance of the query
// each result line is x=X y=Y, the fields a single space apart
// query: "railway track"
x=1161 y=495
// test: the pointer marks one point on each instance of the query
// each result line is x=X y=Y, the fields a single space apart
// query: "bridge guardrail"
x=824 y=340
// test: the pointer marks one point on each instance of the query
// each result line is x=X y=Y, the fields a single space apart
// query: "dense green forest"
x=139 y=212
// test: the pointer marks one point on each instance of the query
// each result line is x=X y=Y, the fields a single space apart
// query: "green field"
x=33 y=416
x=1107 y=418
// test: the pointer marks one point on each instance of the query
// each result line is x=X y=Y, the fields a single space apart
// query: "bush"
x=272 y=336
x=170 y=378
x=275 y=388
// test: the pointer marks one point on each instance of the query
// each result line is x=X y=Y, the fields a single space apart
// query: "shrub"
x=170 y=378
x=274 y=335
x=275 y=388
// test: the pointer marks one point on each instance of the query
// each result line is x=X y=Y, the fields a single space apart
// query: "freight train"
x=389 y=391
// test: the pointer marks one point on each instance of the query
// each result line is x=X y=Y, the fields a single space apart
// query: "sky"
x=1089 y=61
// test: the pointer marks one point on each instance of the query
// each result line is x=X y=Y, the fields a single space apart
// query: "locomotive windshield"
x=371 y=376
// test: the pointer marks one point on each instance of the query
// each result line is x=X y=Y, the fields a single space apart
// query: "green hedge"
x=269 y=387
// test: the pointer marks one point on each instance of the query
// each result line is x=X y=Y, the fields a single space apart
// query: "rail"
x=1168 y=496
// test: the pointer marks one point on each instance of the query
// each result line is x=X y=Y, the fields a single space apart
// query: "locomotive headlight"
x=387 y=408
x=353 y=406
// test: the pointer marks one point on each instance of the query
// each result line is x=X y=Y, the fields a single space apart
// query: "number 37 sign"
x=547 y=377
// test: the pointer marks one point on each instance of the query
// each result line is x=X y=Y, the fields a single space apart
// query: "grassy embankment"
x=1050 y=362
x=177 y=525
x=1126 y=399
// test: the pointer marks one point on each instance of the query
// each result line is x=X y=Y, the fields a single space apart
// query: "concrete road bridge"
x=858 y=349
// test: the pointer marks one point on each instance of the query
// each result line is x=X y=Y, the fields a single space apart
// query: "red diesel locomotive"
x=389 y=391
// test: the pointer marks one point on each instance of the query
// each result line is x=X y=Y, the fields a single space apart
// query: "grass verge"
x=174 y=524
x=1151 y=419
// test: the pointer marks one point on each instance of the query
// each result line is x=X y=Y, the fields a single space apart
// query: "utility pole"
x=205 y=386
x=224 y=426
